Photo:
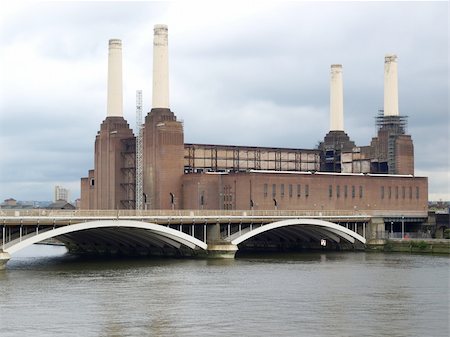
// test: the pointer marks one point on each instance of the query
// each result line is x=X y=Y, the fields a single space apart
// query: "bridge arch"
x=330 y=229
x=154 y=234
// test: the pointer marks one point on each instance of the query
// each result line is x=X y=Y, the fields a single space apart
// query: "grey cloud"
x=261 y=80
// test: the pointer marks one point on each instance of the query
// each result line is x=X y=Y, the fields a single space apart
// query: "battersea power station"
x=155 y=169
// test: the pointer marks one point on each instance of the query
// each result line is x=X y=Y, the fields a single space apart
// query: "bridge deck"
x=184 y=233
x=167 y=217
x=197 y=212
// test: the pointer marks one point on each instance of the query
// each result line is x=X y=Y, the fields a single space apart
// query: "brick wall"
x=305 y=191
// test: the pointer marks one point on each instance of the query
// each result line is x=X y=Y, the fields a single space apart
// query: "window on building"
x=330 y=191
x=382 y=192
x=396 y=192
x=403 y=192
x=410 y=192
x=360 y=192
x=299 y=190
x=389 y=192
x=353 y=191
x=345 y=191
x=92 y=182
x=274 y=190
x=290 y=190
x=265 y=190
x=338 y=191
x=202 y=199
x=306 y=190
x=282 y=190
x=417 y=192
x=227 y=198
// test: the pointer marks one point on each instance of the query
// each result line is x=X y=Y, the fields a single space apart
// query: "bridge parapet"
x=204 y=213
x=61 y=218
x=174 y=213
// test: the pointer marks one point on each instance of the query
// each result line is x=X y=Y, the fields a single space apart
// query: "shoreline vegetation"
x=433 y=246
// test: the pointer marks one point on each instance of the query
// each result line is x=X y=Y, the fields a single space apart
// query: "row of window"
x=390 y=192
x=346 y=191
x=343 y=191
x=290 y=190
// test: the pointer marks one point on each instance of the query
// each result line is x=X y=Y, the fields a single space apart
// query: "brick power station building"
x=338 y=175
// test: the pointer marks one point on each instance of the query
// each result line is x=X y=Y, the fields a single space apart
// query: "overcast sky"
x=240 y=74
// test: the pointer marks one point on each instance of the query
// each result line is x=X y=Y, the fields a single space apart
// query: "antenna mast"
x=139 y=163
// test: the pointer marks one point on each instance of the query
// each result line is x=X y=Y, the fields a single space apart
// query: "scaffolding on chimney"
x=394 y=124
x=392 y=127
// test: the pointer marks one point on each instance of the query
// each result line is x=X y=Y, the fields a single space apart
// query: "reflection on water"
x=45 y=291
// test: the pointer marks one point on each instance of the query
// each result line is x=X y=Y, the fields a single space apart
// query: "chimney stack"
x=160 y=67
x=115 y=102
x=336 y=99
x=390 y=86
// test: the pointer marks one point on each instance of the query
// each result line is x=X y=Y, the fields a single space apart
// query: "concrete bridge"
x=181 y=233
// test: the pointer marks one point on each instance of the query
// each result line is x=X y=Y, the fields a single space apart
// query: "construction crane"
x=139 y=148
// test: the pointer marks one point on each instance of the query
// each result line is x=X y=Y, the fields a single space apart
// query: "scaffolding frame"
x=229 y=158
x=394 y=124
x=139 y=149
x=128 y=173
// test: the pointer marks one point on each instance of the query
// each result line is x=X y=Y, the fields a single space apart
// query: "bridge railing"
x=407 y=235
x=206 y=213
x=399 y=214
x=177 y=213
x=385 y=235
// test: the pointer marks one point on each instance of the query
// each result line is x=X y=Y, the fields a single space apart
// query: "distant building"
x=10 y=202
x=61 y=193
x=61 y=204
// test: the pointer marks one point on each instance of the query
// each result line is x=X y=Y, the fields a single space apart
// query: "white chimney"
x=160 y=67
x=115 y=102
x=336 y=99
x=390 y=86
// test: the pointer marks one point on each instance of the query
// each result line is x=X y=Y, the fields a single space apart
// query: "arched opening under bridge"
x=116 y=237
x=298 y=234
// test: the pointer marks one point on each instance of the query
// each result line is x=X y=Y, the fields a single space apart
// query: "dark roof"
x=61 y=204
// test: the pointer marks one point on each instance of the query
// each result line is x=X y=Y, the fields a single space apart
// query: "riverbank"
x=433 y=246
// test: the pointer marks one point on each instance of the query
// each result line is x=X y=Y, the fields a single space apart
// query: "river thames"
x=45 y=292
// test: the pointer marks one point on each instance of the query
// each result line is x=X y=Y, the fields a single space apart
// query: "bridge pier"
x=213 y=233
x=375 y=229
x=375 y=234
x=222 y=250
x=4 y=258
x=218 y=248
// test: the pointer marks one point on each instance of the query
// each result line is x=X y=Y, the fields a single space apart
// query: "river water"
x=45 y=292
